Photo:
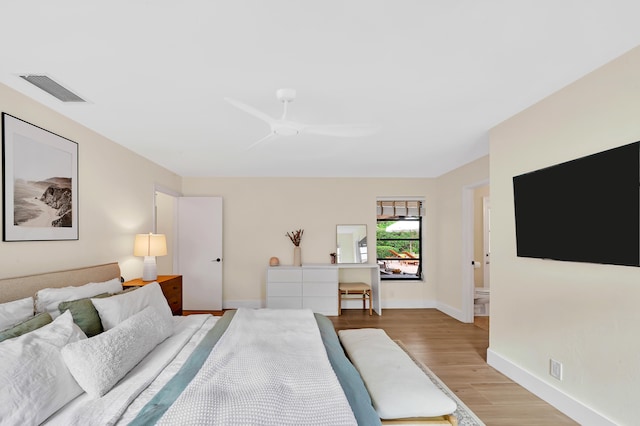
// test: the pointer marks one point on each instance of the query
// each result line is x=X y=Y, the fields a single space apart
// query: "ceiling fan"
x=283 y=127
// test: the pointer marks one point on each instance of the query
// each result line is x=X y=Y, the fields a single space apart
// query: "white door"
x=200 y=252
x=486 y=221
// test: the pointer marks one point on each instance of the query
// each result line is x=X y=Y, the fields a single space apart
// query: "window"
x=398 y=239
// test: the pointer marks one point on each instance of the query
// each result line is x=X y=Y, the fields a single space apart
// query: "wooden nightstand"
x=171 y=286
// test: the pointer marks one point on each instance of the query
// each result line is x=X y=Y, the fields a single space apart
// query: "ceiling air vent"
x=51 y=87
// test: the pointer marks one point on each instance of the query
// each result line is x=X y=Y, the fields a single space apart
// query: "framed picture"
x=40 y=183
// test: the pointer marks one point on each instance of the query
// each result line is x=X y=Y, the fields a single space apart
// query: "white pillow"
x=48 y=299
x=14 y=312
x=115 y=309
x=35 y=380
x=99 y=363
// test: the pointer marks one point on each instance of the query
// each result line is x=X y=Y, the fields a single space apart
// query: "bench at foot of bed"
x=400 y=391
x=418 y=421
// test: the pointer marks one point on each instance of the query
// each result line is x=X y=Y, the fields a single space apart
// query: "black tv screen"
x=584 y=210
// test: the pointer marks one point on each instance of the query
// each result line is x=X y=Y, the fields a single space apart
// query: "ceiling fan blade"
x=269 y=137
x=251 y=110
x=343 y=130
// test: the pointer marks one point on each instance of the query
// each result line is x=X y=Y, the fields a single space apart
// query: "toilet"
x=481 y=301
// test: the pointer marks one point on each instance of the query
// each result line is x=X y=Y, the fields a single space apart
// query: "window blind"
x=393 y=208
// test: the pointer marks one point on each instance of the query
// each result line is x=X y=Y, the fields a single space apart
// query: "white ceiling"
x=434 y=75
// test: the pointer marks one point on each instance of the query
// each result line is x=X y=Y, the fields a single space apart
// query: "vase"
x=297 y=256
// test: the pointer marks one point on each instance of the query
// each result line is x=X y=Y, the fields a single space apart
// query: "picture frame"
x=39 y=182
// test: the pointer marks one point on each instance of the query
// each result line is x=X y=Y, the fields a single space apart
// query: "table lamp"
x=150 y=245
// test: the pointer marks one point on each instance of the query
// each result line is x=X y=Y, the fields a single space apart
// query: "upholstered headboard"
x=21 y=287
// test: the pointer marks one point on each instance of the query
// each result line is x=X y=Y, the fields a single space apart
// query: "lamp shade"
x=150 y=245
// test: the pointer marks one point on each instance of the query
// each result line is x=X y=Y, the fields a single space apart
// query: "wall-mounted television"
x=584 y=210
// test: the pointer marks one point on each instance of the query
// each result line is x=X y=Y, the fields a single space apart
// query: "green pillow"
x=26 y=326
x=84 y=314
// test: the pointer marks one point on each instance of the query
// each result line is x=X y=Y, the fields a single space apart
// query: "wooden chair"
x=351 y=289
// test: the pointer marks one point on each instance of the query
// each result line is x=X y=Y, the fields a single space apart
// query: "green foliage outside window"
x=400 y=242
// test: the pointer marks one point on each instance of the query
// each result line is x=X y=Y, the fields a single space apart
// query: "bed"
x=95 y=354
x=317 y=385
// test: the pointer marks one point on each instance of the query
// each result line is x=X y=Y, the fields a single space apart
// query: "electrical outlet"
x=555 y=368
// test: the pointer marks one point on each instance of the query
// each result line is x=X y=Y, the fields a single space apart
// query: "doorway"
x=481 y=233
x=474 y=259
x=193 y=228
x=482 y=256
x=486 y=240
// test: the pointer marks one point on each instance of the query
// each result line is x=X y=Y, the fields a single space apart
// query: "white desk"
x=314 y=286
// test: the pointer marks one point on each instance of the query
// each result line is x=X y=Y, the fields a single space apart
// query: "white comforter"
x=269 y=368
x=108 y=410
x=281 y=375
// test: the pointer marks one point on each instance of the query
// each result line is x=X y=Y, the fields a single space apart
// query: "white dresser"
x=308 y=287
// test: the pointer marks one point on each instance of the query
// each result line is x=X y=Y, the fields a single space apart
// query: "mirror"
x=351 y=243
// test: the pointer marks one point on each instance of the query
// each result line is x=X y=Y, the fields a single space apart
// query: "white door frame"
x=467 y=249
x=486 y=239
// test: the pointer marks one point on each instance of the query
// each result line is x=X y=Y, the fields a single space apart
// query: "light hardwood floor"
x=457 y=353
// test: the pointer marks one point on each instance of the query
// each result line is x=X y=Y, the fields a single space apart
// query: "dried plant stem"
x=296 y=237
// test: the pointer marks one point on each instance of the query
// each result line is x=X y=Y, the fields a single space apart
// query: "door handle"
x=218 y=260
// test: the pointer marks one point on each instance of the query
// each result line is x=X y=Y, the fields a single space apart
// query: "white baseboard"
x=452 y=312
x=560 y=400
x=407 y=304
x=346 y=304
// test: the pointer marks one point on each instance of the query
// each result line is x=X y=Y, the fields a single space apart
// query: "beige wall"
x=115 y=199
x=583 y=315
x=258 y=212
